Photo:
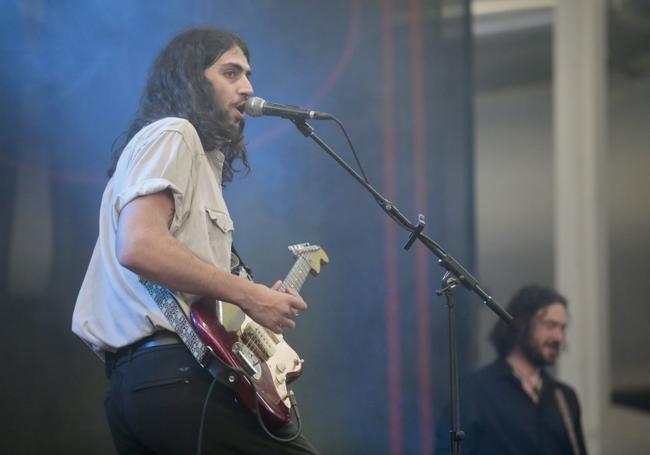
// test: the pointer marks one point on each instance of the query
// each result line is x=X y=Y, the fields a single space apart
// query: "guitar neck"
x=297 y=275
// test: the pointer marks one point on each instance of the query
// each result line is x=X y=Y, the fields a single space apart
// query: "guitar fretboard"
x=297 y=275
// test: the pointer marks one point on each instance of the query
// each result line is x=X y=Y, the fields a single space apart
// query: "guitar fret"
x=298 y=274
x=305 y=270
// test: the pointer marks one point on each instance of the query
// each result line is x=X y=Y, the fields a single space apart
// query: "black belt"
x=160 y=338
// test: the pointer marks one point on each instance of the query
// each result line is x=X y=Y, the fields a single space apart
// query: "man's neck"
x=520 y=363
x=528 y=374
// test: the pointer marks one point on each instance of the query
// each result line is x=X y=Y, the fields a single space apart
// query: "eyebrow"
x=237 y=66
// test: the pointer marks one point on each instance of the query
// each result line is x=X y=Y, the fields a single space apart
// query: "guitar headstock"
x=313 y=254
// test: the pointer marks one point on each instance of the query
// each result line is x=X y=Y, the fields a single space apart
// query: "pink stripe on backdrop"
x=395 y=435
x=422 y=291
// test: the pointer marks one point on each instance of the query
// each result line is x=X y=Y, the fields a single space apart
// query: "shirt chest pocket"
x=220 y=228
x=219 y=224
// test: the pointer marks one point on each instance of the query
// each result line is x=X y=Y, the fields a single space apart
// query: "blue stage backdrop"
x=396 y=73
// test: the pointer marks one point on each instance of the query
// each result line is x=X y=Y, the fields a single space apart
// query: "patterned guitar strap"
x=171 y=309
x=566 y=418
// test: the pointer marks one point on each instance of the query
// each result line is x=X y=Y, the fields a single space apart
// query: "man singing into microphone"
x=163 y=219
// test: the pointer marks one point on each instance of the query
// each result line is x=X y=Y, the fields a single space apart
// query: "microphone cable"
x=354 y=152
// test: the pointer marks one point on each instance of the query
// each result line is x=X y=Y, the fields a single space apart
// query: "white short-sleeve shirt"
x=113 y=308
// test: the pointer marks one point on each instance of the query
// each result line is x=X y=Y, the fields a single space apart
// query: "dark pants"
x=154 y=403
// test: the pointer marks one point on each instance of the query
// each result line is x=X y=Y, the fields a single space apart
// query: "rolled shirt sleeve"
x=164 y=163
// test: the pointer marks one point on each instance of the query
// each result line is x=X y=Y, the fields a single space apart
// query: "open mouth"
x=555 y=349
x=237 y=113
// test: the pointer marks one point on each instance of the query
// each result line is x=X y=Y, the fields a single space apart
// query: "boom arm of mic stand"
x=448 y=262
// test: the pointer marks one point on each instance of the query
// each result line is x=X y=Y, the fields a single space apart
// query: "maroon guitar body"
x=241 y=343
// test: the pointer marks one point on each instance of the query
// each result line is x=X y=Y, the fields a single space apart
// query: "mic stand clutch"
x=455 y=273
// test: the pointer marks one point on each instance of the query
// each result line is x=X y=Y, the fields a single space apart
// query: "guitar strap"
x=171 y=309
x=176 y=317
x=566 y=418
x=237 y=265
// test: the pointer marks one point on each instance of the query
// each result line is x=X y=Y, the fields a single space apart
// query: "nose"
x=246 y=88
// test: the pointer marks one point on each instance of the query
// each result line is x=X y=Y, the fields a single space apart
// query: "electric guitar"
x=241 y=343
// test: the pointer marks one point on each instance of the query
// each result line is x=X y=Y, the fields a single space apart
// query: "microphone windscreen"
x=253 y=106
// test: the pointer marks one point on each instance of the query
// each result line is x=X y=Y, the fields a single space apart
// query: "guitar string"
x=296 y=282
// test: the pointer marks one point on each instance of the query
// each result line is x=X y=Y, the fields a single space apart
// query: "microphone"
x=256 y=107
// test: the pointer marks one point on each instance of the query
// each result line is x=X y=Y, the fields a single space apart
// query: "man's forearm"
x=164 y=260
x=145 y=246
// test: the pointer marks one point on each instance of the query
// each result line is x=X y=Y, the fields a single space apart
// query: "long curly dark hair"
x=177 y=87
x=522 y=306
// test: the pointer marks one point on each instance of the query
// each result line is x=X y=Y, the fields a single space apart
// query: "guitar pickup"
x=256 y=338
x=248 y=359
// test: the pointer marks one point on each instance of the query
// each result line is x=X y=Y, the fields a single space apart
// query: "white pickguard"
x=283 y=361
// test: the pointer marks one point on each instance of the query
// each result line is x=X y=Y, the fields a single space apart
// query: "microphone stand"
x=455 y=274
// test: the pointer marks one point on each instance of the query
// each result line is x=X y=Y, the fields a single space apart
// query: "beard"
x=230 y=140
x=227 y=134
x=227 y=128
x=533 y=352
